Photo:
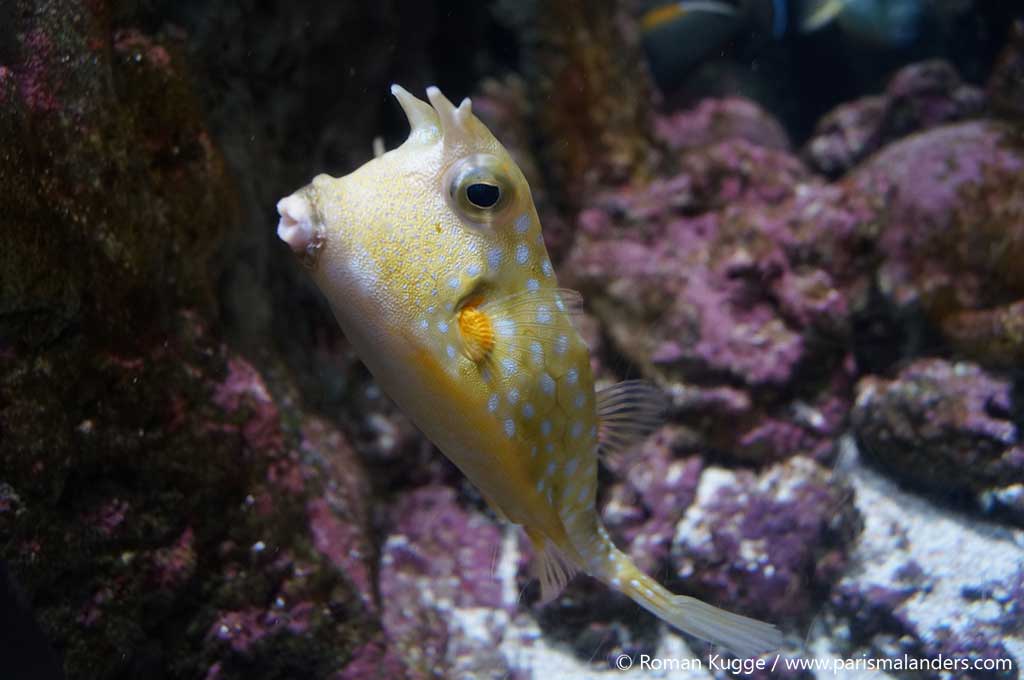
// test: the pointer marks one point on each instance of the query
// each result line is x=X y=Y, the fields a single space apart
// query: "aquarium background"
x=812 y=241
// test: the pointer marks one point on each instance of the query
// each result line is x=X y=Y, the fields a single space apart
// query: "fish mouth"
x=296 y=227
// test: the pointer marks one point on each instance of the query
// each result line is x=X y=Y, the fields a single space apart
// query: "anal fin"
x=554 y=569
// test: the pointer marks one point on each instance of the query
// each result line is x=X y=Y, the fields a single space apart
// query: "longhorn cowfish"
x=432 y=259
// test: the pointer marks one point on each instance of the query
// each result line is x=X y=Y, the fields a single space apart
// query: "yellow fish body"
x=432 y=259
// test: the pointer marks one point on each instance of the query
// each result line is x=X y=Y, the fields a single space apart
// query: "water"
x=807 y=234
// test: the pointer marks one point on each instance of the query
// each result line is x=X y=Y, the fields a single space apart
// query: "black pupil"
x=483 y=195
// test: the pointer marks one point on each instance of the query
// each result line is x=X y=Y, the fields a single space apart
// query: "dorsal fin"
x=626 y=413
x=553 y=568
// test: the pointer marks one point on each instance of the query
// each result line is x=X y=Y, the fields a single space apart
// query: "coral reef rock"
x=925 y=581
x=946 y=428
x=770 y=544
x=918 y=97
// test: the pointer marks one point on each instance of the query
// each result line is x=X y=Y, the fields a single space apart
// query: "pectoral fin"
x=627 y=412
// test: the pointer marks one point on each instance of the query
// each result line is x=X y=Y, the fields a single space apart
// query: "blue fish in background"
x=678 y=36
x=884 y=23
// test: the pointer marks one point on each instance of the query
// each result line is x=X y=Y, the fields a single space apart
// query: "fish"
x=886 y=23
x=432 y=259
x=679 y=36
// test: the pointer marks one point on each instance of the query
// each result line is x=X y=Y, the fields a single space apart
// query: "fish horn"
x=421 y=116
x=453 y=120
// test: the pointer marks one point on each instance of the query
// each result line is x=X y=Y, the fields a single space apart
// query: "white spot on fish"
x=510 y=427
x=562 y=344
x=551 y=468
x=522 y=253
x=473 y=270
x=513 y=396
x=570 y=467
x=505 y=326
x=616 y=582
x=528 y=410
x=453 y=282
x=522 y=223
x=543 y=314
x=508 y=366
x=494 y=257
x=580 y=400
x=492 y=403
x=540 y=485
x=442 y=326
x=572 y=376
x=584 y=493
x=532 y=285
x=547 y=383
x=545 y=428
x=424 y=324
x=545 y=267
x=577 y=429
x=451 y=352
x=537 y=352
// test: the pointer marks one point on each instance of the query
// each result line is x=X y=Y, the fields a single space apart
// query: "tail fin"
x=743 y=636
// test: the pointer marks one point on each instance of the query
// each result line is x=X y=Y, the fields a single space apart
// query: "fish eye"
x=479 y=189
x=483 y=195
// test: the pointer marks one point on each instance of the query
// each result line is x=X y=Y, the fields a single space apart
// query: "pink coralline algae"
x=437 y=563
x=656 y=488
x=949 y=194
x=717 y=120
x=718 y=280
x=243 y=390
x=768 y=544
x=918 y=97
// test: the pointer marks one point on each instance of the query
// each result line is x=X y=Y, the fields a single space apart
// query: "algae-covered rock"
x=715 y=284
x=919 y=96
x=104 y=136
x=770 y=544
x=946 y=428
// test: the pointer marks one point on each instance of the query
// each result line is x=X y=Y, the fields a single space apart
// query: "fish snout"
x=297 y=227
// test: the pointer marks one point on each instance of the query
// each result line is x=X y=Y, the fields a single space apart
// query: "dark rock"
x=946 y=428
x=1006 y=84
x=919 y=96
x=950 y=232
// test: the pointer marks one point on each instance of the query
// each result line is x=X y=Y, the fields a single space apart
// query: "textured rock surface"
x=716 y=120
x=116 y=483
x=715 y=283
x=443 y=601
x=946 y=428
x=951 y=193
x=918 y=97
x=925 y=581
x=769 y=545
x=105 y=135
